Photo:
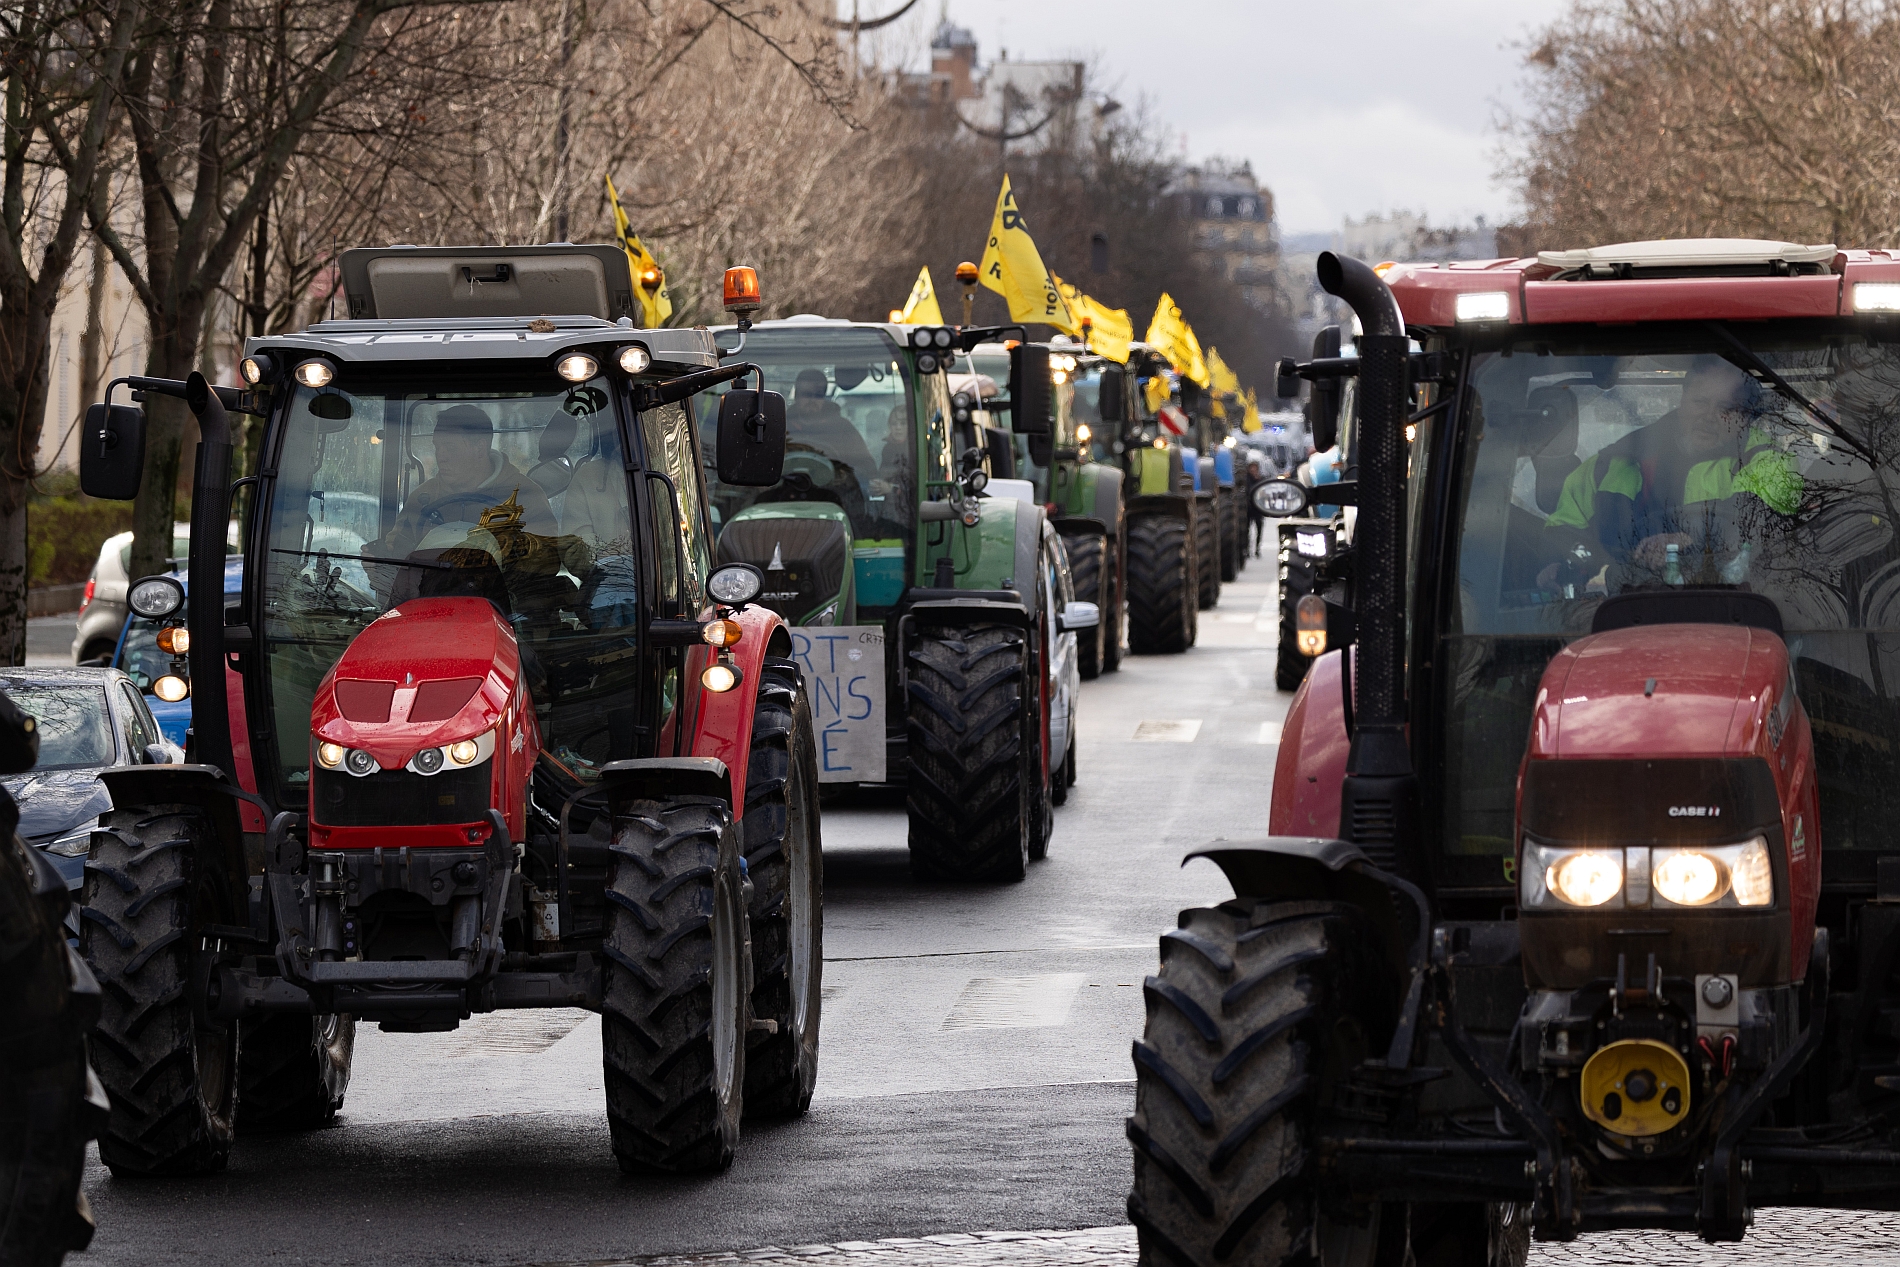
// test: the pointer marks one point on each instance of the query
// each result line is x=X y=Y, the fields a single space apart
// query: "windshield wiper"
x=1746 y=358
x=366 y=558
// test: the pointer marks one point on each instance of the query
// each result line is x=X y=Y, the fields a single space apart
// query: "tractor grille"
x=399 y=798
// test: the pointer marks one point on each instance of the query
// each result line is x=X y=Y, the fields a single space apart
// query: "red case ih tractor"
x=485 y=729
x=1546 y=940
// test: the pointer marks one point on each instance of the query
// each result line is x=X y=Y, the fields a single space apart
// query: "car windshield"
x=74 y=724
x=1619 y=463
x=850 y=446
x=404 y=489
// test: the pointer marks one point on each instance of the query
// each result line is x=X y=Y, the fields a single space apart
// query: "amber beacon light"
x=742 y=290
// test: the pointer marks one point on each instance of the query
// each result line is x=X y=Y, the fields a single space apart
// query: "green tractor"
x=931 y=602
x=1080 y=491
x=1163 y=512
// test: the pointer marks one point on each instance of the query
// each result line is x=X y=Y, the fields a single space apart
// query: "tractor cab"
x=485 y=726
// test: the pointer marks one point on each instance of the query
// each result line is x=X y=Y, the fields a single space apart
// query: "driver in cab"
x=471 y=477
x=1694 y=469
x=814 y=420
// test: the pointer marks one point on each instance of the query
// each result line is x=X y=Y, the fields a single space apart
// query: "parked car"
x=139 y=656
x=102 y=610
x=88 y=719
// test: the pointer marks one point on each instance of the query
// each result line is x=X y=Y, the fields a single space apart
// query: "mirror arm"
x=969 y=336
x=652 y=395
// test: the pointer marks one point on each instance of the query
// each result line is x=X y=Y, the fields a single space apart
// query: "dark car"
x=88 y=719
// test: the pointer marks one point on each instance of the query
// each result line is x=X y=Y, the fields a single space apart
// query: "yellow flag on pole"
x=1158 y=391
x=1171 y=335
x=649 y=279
x=1013 y=268
x=921 y=309
x=1225 y=382
x=1107 y=331
x=1250 y=422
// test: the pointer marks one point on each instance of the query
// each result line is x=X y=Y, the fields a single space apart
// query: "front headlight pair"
x=1557 y=876
x=454 y=756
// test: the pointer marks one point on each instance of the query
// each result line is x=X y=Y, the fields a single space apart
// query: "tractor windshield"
x=1615 y=462
x=850 y=486
x=399 y=489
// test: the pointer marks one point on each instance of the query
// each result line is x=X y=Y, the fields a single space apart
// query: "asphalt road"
x=974 y=1063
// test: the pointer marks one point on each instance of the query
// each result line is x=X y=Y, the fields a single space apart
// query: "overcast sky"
x=1344 y=109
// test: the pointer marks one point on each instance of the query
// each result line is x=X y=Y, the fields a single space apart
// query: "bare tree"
x=61 y=63
x=1678 y=118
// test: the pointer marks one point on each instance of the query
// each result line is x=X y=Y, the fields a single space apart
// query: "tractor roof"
x=1686 y=280
x=489 y=303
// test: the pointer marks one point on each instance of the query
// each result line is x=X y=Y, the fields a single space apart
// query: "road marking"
x=1168 y=731
x=1269 y=732
x=519 y=1033
x=1016 y=1002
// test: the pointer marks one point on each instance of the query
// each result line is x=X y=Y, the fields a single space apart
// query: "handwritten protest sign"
x=844 y=678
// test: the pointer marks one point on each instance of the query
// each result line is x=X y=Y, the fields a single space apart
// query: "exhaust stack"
x=1379 y=797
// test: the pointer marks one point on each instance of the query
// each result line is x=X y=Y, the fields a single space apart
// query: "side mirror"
x=751 y=438
x=1279 y=498
x=158 y=754
x=1031 y=403
x=112 y=452
x=1078 y=615
x=1111 y=398
x=1322 y=407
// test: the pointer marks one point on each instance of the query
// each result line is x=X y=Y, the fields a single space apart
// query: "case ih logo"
x=1695 y=811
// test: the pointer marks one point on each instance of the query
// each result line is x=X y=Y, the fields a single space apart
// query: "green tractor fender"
x=1092 y=494
x=999 y=553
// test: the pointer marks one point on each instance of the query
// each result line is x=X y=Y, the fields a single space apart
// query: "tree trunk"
x=92 y=357
x=25 y=330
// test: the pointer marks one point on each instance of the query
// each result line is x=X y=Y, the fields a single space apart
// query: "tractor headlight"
x=330 y=754
x=428 y=761
x=464 y=752
x=360 y=763
x=1587 y=878
x=1686 y=877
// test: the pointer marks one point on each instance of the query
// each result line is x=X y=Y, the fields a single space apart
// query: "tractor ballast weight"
x=451 y=758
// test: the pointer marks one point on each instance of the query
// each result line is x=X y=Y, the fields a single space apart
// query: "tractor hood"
x=429 y=672
x=1698 y=690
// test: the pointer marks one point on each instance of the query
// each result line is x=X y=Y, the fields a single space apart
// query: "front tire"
x=1161 y=600
x=673 y=1013
x=1256 y=1010
x=1088 y=559
x=785 y=859
x=1207 y=551
x=969 y=785
x=170 y=1074
x=294 y=1071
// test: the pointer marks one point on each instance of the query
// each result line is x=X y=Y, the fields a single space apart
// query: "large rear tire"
x=1088 y=557
x=785 y=859
x=1256 y=1010
x=1207 y=551
x=673 y=1011
x=1161 y=600
x=293 y=1071
x=969 y=792
x=170 y=1072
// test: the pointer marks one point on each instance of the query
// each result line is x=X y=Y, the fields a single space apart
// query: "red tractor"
x=1546 y=940
x=484 y=729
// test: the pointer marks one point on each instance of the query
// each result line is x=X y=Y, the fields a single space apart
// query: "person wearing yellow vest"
x=1680 y=482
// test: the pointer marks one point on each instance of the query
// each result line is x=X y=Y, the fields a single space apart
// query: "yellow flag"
x=1225 y=382
x=656 y=305
x=1250 y=422
x=1107 y=331
x=1158 y=392
x=1013 y=269
x=921 y=309
x=1173 y=337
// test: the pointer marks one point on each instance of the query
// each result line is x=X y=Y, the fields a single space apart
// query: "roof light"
x=577 y=367
x=635 y=359
x=314 y=373
x=1877 y=297
x=1484 y=305
x=261 y=368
